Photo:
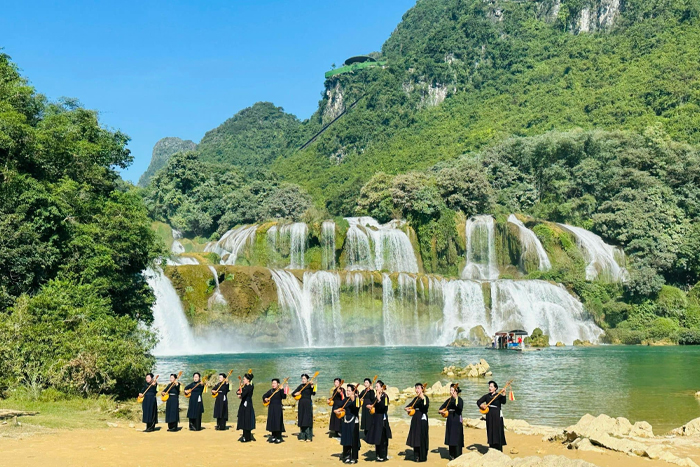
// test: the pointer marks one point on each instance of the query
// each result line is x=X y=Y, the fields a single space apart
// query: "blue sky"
x=156 y=69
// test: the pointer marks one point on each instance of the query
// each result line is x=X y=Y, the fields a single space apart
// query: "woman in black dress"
x=366 y=398
x=379 y=431
x=172 y=405
x=275 y=418
x=454 y=430
x=149 y=406
x=246 y=413
x=336 y=400
x=305 y=419
x=350 y=429
x=221 y=390
x=196 y=406
x=418 y=433
x=495 y=431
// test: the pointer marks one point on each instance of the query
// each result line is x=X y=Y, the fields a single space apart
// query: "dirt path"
x=124 y=446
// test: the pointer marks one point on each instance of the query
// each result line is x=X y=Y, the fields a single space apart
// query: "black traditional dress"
x=334 y=424
x=172 y=406
x=221 y=406
x=495 y=430
x=305 y=409
x=350 y=430
x=246 y=412
x=418 y=433
x=366 y=397
x=150 y=407
x=196 y=406
x=275 y=418
x=454 y=430
x=379 y=431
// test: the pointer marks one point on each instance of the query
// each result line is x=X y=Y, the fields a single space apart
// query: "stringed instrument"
x=335 y=391
x=165 y=395
x=502 y=392
x=221 y=384
x=341 y=411
x=202 y=382
x=446 y=412
x=362 y=400
x=266 y=403
x=412 y=411
x=153 y=383
x=298 y=396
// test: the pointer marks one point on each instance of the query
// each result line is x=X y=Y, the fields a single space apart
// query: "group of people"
x=355 y=408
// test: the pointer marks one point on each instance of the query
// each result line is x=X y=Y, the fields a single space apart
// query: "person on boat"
x=195 y=409
x=172 y=405
x=275 y=417
x=336 y=399
x=350 y=429
x=495 y=431
x=305 y=416
x=149 y=406
x=366 y=398
x=221 y=391
x=418 y=433
x=454 y=430
x=246 y=412
x=379 y=431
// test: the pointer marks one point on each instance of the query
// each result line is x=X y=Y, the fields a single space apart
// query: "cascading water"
x=322 y=297
x=463 y=307
x=481 y=249
x=297 y=234
x=291 y=299
x=233 y=242
x=328 y=245
x=538 y=304
x=392 y=325
x=181 y=261
x=217 y=298
x=599 y=255
x=176 y=337
x=531 y=245
x=392 y=247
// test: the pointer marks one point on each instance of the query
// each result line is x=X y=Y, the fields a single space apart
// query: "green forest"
x=484 y=108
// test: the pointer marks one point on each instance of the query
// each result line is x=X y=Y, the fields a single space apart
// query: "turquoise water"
x=555 y=386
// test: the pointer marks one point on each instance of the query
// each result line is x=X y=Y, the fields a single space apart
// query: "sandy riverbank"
x=122 y=445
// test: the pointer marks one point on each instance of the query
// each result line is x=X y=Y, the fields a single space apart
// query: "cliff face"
x=162 y=151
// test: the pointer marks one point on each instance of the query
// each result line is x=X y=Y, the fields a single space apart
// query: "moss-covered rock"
x=537 y=339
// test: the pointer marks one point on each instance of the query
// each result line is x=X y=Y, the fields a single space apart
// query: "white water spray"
x=531 y=245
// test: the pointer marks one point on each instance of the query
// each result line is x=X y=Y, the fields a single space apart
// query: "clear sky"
x=156 y=69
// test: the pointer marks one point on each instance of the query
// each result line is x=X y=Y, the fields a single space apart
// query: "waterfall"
x=599 y=255
x=531 y=245
x=392 y=247
x=358 y=252
x=328 y=245
x=297 y=234
x=322 y=296
x=291 y=299
x=217 y=298
x=232 y=243
x=463 y=307
x=392 y=328
x=169 y=319
x=408 y=293
x=481 y=249
x=180 y=261
x=538 y=304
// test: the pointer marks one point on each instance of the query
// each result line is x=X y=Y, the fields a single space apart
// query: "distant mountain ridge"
x=162 y=151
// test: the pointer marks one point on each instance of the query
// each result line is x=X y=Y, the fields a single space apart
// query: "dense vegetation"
x=73 y=242
x=200 y=198
x=163 y=149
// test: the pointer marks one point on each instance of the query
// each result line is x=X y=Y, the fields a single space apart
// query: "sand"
x=122 y=445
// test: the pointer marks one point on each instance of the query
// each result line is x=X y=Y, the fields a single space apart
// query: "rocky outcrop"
x=580 y=343
x=162 y=151
x=495 y=458
x=473 y=370
x=692 y=428
x=476 y=337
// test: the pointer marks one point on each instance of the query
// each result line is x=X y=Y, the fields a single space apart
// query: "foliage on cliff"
x=162 y=151
x=74 y=239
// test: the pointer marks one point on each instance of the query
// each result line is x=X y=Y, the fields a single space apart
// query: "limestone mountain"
x=162 y=151
x=253 y=138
